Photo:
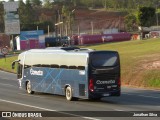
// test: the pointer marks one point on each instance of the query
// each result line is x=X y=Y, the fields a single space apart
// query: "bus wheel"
x=29 y=88
x=69 y=96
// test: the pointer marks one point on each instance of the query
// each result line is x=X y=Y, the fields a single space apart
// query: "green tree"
x=146 y=16
x=104 y=3
x=131 y=22
x=65 y=11
x=47 y=3
x=26 y=14
x=36 y=2
x=75 y=2
x=67 y=14
x=130 y=4
x=22 y=12
x=29 y=12
x=68 y=17
x=1 y=17
x=44 y=25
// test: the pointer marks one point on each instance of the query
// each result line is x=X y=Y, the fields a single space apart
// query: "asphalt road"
x=132 y=99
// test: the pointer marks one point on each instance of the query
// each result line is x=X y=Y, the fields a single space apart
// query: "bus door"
x=104 y=74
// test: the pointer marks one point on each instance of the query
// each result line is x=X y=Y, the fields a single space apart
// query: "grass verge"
x=5 y=64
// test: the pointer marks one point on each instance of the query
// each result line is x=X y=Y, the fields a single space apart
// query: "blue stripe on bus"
x=48 y=73
x=54 y=80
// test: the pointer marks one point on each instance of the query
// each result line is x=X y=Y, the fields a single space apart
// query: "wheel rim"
x=29 y=87
x=68 y=94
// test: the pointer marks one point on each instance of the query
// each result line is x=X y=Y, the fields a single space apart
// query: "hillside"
x=140 y=61
x=101 y=19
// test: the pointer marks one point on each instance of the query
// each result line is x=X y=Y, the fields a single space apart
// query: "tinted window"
x=104 y=59
x=19 y=71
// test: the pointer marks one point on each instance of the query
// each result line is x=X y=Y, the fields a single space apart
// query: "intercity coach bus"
x=70 y=71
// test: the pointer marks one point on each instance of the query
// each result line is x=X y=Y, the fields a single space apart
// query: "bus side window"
x=72 y=67
x=19 y=71
x=81 y=68
x=54 y=66
x=37 y=65
x=43 y=65
x=64 y=66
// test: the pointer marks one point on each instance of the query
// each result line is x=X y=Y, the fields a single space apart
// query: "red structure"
x=94 y=39
x=4 y=40
x=74 y=40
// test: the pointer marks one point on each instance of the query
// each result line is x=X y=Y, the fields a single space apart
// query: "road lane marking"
x=142 y=95
x=90 y=118
x=31 y=95
x=118 y=110
x=149 y=96
x=41 y=108
x=9 y=79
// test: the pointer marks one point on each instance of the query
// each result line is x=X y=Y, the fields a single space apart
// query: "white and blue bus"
x=73 y=72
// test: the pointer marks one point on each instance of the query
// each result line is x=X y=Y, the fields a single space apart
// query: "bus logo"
x=34 y=72
x=106 y=82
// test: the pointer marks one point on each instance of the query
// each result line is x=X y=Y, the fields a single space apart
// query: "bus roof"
x=73 y=57
x=69 y=56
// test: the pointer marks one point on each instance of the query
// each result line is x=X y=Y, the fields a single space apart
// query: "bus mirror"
x=13 y=64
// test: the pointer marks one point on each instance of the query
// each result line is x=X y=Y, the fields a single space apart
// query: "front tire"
x=29 y=88
x=69 y=95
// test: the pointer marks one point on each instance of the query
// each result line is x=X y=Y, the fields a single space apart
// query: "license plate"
x=105 y=95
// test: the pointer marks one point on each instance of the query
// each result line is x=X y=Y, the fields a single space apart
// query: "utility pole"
x=105 y=4
x=66 y=28
x=48 y=30
x=71 y=21
x=59 y=25
x=78 y=30
x=92 y=27
x=157 y=14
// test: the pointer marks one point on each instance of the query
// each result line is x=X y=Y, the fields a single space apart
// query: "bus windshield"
x=104 y=59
